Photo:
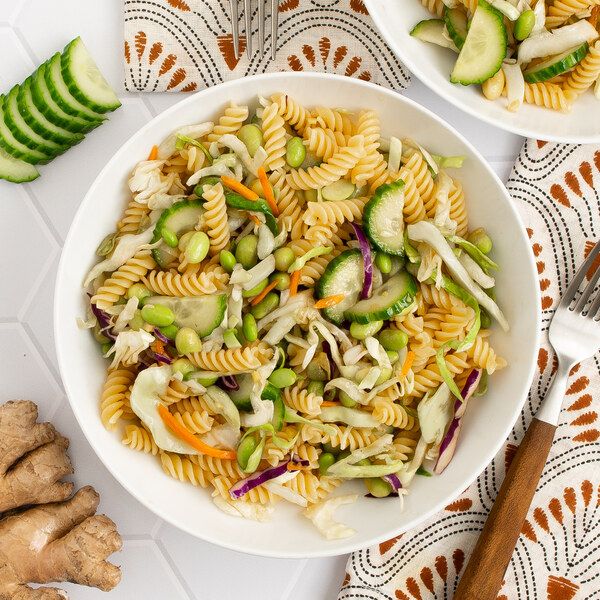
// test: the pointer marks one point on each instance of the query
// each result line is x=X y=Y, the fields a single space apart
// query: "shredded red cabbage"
x=161 y=336
x=393 y=480
x=365 y=249
x=468 y=390
x=104 y=322
x=162 y=358
x=230 y=382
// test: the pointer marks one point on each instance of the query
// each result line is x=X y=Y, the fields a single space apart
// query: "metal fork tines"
x=234 y=15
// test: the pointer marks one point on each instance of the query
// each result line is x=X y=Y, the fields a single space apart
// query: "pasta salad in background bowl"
x=528 y=66
x=292 y=304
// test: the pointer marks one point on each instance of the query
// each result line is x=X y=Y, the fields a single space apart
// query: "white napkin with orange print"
x=557 y=190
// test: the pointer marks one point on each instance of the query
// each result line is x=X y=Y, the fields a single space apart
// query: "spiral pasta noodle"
x=230 y=122
x=288 y=203
x=417 y=165
x=133 y=218
x=114 y=400
x=273 y=128
x=334 y=212
x=232 y=360
x=183 y=468
x=429 y=378
x=438 y=297
x=139 y=438
x=367 y=126
x=414 y=209
x=341 y=436
x=335 y=120
x=470 y=5
x=458 y=208
x=309 y=453
x=219 y=466
x=302 y=401
x=405 y=443
x=391 y=413
x=215 y=218
x=172 y=283
x=548 y=95
x=321 y=142
x=435 y=7
x=258 y=495
x=305 y=484
x=194 y=422
x=175 y=392
x=291 y=111
x=483 y=355
x=586 y=73
x=560 y=10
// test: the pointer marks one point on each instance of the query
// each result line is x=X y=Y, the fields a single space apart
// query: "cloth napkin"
x=185 y=45
x=557 y=190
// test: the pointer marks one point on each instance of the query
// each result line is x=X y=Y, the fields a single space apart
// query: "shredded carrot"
x=182 y=433
x=294 y=467
x=254 y=219
x=153 y=153
x=268 y=191
x=294 y=281
x=595 y=14
x=327 y=403
x=238 y=187
x=408 y=361
x=329 y=301
x=158 y=346
x=263 y=294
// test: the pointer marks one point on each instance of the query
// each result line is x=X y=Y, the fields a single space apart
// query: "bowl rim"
x=63 y=359
x=372 y=7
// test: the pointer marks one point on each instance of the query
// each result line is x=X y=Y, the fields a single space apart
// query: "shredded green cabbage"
x=313 y=253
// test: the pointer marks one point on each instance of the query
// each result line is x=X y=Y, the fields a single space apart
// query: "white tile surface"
x=158 y=561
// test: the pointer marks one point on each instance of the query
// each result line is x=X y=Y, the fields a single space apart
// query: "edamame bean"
x=105 y=347
x=316 y=387
x=284 y=257
x=252 y=137
x=385 y=374
x=325 y=461
x=227 y=260
x=295 y=152
x=316 y=372
x=393 y=339
x=256 y=290
x=383 y=262
x=139 y=291
x=187 y=341
x=392 y=355
x=282 y=279
x=524 y=25
x=245 y=449
x=169 y=331
x=249 y=328
x=282 y=378
x=362 y=332
x=169 y=237
x=183 y=366
x=197 y=248
x=265 y=306
x=363 y=462
x=184 y=239
x=158 y=315
x=486 y=320
x=378 y=487
x=137 y=322
x=347 y=401
x=246 y=251
x=479 y=238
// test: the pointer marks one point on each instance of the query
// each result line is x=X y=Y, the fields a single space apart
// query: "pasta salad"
x=290 y=300
x=541 y=52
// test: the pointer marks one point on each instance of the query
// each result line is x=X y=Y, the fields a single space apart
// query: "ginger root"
x=61 y=539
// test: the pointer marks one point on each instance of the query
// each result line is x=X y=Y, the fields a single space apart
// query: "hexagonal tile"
x=16 y=63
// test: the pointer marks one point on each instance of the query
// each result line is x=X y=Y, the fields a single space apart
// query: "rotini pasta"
x=216 y=218
x=139 y=438
x=232 y=360
x=273 y=128
x=172 y=283
x=114 y=401
x=230 y=122
x=585 y=74
x=301 y=400
x=185 y=469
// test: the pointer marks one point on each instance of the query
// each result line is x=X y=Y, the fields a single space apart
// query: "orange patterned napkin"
x=558 y=554
x=184 y=45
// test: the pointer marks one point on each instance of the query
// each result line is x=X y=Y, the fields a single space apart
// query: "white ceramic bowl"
x=433 y=65
x=289 y=534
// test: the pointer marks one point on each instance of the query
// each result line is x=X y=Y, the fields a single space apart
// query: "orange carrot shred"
x=158 y=346
x=254 y=219
x=268 y=191
x=238 y=187
x=294 y=281
x=327 y=403
x=329 y=301
x=182 y=433
x=153 y=153
x=263 y=294
x=408 y=361
x=294 y=467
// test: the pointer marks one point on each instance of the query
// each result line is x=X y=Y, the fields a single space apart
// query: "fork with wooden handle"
x=575 y=335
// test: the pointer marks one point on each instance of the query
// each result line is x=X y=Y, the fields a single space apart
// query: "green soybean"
x=246 y=252
x=205 y=381
x=184 y=239
x=158 y=315
x=486 y=320
x=295 y=152
x=137 y=321
x=362 y=332
x=227 y=260
x=383 y=262
x=282 y=281
x=197 y=248
x=169 y=331
x=524 y=25
x=245 y=450
x=252 y=137
x=139 y=291
x=183 y=366
x=316 y=387
x=282 y=378
x=347 y=401
x=169 y=237
x=385 y=374
x=284 y=257
x=480 y=238
x=325 y=461
x=392 y=355
x=393 y=339
x=249 y=328
x=378 y=487
x=187 y=341
x=316 y=372
x=256 y=290
x=265 y=306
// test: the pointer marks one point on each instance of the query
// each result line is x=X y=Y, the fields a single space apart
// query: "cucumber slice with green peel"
x=39 y=122
x=555 y=65
x=339 y=190
x=63 y=97
x=202 y=313
x=383 y=219
x=432 y=31
x=23 y=132
x=85 y=81
x=16 y=171
x=16 y=149
x=343 y=275
x=456 y=25
x=183 y=216
x=484 y=49
x=390 y=299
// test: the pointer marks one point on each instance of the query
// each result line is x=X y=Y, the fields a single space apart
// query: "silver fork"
x=234 y=15
x=574 y=335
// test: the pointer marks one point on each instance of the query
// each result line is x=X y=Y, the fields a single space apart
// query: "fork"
x=233 y=5
x=574 y=335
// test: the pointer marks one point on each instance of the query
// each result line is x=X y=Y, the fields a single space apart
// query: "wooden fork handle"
x=484 y=574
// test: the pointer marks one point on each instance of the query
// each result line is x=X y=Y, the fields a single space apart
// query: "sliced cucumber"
x=202 y=313
x=383 y=219
x=343 y=275
x=339 y=190
x=456 y=25
x=39 y=122
x=85 y=81
x=484 y=49
x=23 y=132
x=181 y=217
x=15 y=170
x=555 y=65
x=394 y=296
x=63 y=97
x=432 y=31
x=241 y=396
